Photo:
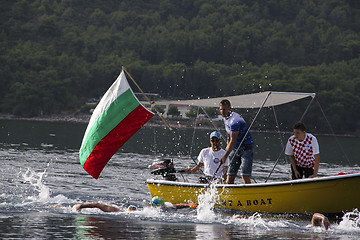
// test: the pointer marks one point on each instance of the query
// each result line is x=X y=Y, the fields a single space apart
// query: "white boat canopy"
x=253 y=100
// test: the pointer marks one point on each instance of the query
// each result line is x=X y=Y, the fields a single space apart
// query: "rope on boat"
x=278 y=127
x=282 y=152
x=252 y=122
x=307 y=108
x=333 y=133
x=215 y=127
x=192 y=142
x=284 y=146
x=193 y=136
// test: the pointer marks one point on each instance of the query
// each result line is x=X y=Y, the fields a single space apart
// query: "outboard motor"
x=164 y=167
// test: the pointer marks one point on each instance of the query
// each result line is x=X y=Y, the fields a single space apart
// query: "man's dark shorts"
x=243 y=160
x=302 y=171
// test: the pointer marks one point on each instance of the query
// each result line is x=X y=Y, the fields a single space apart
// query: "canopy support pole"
x=216 y=128
x=332 y=131
x=193 y=136
x=307 y=108
x=252 y=122
x=277 y=161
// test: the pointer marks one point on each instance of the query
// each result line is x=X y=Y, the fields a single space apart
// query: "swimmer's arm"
x=185 y=205
x=101 y=206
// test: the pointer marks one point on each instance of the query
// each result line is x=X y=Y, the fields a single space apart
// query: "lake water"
x=41 y=180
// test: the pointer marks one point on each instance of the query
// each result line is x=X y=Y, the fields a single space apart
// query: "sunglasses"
x=215 y=140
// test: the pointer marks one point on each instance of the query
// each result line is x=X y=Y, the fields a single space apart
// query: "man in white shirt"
x=303 y=150
x=210 y=159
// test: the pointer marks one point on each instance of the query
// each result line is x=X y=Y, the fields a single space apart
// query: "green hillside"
x=56 y=54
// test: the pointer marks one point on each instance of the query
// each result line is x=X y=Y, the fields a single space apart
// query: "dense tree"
x=57 y=53
x=173 y=111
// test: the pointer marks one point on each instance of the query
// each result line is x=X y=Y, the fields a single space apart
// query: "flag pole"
x=151 y=103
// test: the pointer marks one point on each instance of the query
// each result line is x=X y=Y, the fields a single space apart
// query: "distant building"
x=151 y=96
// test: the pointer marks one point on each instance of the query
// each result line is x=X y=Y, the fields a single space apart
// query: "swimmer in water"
x=317 y=219
x=155 y=202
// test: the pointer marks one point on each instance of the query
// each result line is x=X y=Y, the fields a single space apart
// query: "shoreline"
x=84 y=118
x=52 y=118
x=154 y=122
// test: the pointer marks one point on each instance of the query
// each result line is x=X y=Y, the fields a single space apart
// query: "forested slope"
x=55 y=54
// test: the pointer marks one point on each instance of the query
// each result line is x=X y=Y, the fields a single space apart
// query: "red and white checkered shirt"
x=303 y=151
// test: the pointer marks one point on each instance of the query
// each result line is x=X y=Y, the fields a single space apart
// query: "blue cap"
x=157 y=201
x=215 y=134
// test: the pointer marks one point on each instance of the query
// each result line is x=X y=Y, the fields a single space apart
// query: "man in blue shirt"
x=241 y=157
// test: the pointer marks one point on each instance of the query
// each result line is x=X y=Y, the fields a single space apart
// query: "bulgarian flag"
x=117 y=117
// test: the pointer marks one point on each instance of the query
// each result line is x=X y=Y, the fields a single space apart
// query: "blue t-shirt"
x=235 y=123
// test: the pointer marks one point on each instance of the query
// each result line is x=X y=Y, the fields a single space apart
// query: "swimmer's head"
x=157 y=202
x=132 y=208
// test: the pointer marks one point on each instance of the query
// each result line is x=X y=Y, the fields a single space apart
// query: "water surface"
x=41 y=180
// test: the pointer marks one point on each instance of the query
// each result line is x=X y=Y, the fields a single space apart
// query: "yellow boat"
x=330 y=195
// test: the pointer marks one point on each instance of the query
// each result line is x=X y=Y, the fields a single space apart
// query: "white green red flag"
x=117 y=117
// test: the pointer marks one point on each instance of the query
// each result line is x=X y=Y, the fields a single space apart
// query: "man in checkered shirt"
x=303 y=150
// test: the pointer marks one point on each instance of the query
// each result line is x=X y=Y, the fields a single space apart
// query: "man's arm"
x=194 y=169
x=101 y=206
x=293 y=165
x=185 y=205
x=316 y=165
x=230 y=146
x=224 y=172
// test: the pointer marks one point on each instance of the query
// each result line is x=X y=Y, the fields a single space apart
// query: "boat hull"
x=334 y=194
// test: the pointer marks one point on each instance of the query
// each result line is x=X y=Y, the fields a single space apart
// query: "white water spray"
x=207 y=200
x=350 y=221
x=35 y=179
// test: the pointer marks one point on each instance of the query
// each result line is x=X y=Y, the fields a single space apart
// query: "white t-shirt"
x=211 y=160
x=303 y=151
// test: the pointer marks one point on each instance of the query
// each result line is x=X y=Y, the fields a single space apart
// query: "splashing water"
x=350 y=221
x=205 y=210
x=35 y=179
x=257 y=221
x=254 y=221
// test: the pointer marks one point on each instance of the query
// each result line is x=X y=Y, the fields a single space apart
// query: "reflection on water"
x=94 y=227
